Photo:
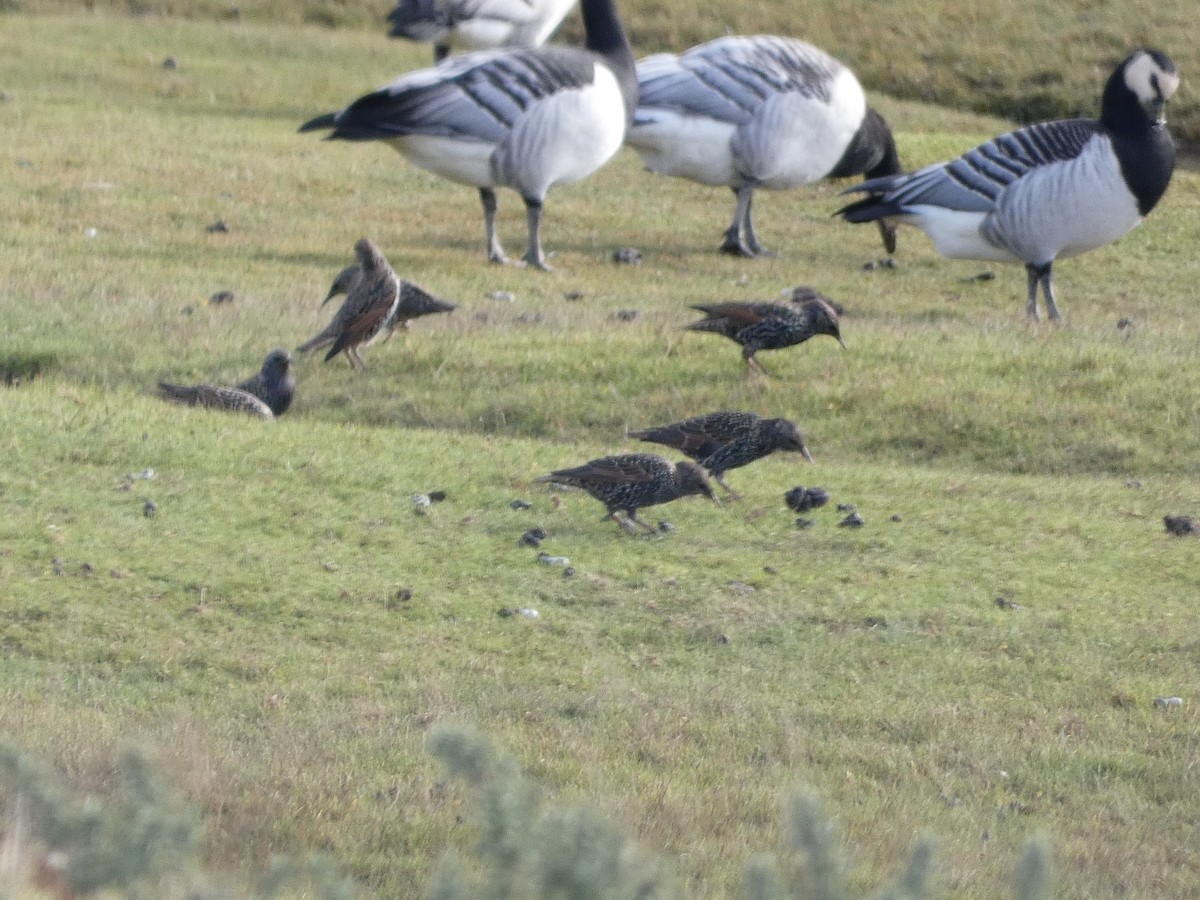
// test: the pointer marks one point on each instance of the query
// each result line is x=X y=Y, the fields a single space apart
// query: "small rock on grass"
x=1180 y=525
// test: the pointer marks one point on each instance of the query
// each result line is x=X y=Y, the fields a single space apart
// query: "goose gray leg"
x=734 y=244
x=748 y=228
x=533 y=251
x=1042 y=275
x=495 y=252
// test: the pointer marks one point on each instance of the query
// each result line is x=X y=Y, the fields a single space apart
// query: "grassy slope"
x=1021 y=60
x=249 y=632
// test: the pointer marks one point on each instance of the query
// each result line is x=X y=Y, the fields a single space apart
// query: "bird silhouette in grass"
x=266 y=394
x=631 y=481
x=415 y=301
x=720 y=441
x=367 y=311
x=770 y=326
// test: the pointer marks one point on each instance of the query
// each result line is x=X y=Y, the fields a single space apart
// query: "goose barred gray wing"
x=1046 y=191
x=526 y=119
x=477 y=96
x=975 y=181
x=728 y=79
x=757 y=112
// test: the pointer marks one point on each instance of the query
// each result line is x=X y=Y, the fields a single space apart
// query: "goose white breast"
x=525 y=119
x=1048 y=190
x=760 y=111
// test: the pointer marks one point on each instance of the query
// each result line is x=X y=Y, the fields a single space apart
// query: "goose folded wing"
x=974 y=181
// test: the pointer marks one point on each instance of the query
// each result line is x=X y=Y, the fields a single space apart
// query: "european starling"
x=415 y=301
x=216 y=397
x=769 y=326
x=721 y=441
x=274 y=384
x=629 y=482
x=371 y=300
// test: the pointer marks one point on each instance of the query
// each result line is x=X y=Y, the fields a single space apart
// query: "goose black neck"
x=606 y=36
x=872 y=150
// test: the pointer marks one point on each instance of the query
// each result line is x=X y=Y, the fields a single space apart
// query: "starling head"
x=692 y=479
x=783 y=434
x=342 y=283
x=823 y=319
x=277 y=364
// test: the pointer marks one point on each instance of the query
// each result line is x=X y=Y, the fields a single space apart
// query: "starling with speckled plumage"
x=632 y=481
x=415 y=301
x=770 y=326
x=726 y=440
x=370 y=303
x=215 y=397
x=274 y=384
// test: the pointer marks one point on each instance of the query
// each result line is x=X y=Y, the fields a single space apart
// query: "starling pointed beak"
x=807 y=455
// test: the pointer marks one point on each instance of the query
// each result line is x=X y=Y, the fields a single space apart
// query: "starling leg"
x=720 y=479
x=752 y=362
x=495 y=252
x=627 y=527
x=632 y=513
x=533 y=251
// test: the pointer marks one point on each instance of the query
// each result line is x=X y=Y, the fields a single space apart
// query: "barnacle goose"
x=476 y=24
x=526 y=118
x=762 y=111
x=1048 y=190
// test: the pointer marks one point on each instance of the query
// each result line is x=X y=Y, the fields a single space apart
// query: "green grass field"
x=251 y=635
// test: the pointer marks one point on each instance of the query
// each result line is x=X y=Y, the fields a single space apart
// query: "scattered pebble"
x=502 y=296
x=5 y=97
x=628 y=256
x=665 y=527
x=404 y=594
x=802 y=499
x=569 y=572
x=218 y=227
x=854 y=520
x=1180 y=525
x=519 y=504
x=437 y=496
x=505 y=611
x=802 y=522
x=87 y=569
x=980 y=276
x=1168 y=702
x=547 y=560
x=90 y=232
x=1005 y=603
x=886 y=263
x=1133 y=484
x=1125 y=324
x=846 y=507
x=896 y=517
x=421 y=503
x=722 y=639
x=628 y=315
x=532 y=538
x=573 y=295
x=770 y=570
x=330 y=566
x=149 y=508
x=170 y=63
x=144 y=475
x=58 y=566
x=221 y=297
